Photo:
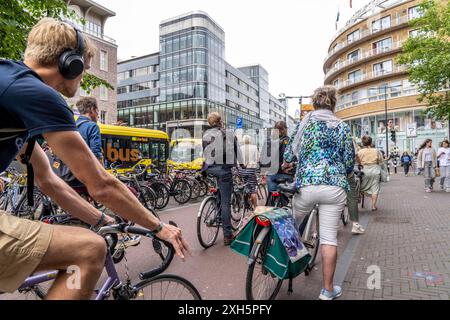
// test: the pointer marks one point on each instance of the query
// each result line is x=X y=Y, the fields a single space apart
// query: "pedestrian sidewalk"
x=407 y=240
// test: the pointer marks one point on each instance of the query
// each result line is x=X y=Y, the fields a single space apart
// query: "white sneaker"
x=357 y=228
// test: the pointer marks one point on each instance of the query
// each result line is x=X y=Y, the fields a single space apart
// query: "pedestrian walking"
x=406 y=162
x=371 y=159
x=323 y=145
x=427 y=161
x=444 y=164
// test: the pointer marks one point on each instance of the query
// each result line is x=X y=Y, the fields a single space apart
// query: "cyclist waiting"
x=222 y=153
x=324 y=148
x=282 y=173
x=31 y=106
x=251 y=160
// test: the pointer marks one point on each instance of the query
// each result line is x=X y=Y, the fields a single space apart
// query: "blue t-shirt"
x=28 y=108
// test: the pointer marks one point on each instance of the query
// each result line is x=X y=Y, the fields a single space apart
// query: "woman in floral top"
x=323 y=145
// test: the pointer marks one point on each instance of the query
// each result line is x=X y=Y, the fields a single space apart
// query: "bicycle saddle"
x=288 y=188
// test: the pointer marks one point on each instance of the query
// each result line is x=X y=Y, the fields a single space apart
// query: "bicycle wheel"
x=166 y=287
x=37 y=292
x=147 y=197
x=195 y=185
x=207 y=222
x=237 y=210
x=312 y=238
x=182 y=191
x=203 y=188
x=260 y=283
x=162 y=195
x=261 y=192
x=344 y=217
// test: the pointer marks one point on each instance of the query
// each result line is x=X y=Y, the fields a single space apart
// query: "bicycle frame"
x=111 y=282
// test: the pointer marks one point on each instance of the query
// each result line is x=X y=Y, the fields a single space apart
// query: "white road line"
x=181 y=207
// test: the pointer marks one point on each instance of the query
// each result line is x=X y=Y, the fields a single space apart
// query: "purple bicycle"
x=153 y=285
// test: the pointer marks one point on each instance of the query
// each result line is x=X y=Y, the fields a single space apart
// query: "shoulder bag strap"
x=26 y=159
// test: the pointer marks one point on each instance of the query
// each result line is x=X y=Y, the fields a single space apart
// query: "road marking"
x=178 y=208
x=345 y=259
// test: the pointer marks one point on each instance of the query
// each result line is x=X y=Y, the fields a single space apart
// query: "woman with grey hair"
x=323 y=146
x=250 y=157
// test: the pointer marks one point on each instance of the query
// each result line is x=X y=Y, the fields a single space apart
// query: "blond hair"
x=214 y=119
x=49 y=38
x=247 y=139
x=325 y=98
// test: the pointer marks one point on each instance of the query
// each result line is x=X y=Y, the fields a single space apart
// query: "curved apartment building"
x=362 y=63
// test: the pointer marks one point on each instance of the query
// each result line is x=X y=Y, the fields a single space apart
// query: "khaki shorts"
x=23 y=244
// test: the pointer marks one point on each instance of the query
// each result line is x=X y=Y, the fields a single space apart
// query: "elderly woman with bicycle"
x=324 y=148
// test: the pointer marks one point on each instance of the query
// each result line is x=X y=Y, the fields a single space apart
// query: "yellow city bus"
x=131 y=146
x=186 y=154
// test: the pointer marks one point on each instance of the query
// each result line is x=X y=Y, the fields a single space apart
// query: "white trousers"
x=331 y=201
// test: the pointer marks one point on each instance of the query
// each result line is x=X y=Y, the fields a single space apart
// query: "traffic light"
x=393 y=136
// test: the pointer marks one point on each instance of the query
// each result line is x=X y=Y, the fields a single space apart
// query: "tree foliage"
x=17 y=17
x=427 y=57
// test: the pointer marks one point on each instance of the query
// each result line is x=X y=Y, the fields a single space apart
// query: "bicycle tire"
x=164 y=282
x=195 y=186
x=315 y=249
x=182 y=191
x=344 y=217
x=208 y=215
x=203 y=188
x=251 y=271
x=237 y=210
x=147 y=197
x=162 y=195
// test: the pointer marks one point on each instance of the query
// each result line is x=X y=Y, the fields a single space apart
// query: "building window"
x=354 y=76
x=103 y=60
x=336 y=83
x=354 y=36
x=103 y=93
x=353 y=56
x=381 y=24
x=103 y=116
x=382 y=68
x=414 y=13
x=382 y=46
x=84 y=93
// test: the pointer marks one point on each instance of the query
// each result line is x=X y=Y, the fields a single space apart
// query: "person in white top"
x=444 y=163
x=250 y=155
x=427 y=160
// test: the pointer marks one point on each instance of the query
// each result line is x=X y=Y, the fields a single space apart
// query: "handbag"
x=437 y=172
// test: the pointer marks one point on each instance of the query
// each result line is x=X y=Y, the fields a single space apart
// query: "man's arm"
x=58 y=190
x=106 y=189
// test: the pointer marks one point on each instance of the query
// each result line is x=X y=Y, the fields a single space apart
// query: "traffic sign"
x=239 y=123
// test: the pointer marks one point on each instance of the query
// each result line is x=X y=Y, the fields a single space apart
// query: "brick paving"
x=408 y=238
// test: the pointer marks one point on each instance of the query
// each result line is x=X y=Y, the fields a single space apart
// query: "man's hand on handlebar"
x=173 y=235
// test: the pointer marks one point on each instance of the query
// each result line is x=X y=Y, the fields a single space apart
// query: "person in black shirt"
x=222 y=153
x=31 y=106
x=283 y=172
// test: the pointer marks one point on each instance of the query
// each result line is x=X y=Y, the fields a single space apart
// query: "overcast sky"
x=289 y=38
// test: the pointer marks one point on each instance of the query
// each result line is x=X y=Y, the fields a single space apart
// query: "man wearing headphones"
x=31 y=106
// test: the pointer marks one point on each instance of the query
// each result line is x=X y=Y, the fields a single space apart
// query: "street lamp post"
x=386 y=119
x=300 y=98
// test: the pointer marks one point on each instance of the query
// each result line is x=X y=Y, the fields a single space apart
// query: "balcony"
x=396 y=23
x=366 y=55
x=391 y=94
x=371 y=76
x=99 y=35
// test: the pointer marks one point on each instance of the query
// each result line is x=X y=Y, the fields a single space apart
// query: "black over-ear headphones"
x=71 y=61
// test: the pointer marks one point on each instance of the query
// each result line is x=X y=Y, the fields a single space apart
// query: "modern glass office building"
x=189 y=78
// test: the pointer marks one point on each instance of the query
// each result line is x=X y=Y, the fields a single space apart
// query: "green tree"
x=17 y=17
x=427 y=57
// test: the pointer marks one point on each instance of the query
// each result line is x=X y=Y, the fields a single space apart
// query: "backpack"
x=59 y=167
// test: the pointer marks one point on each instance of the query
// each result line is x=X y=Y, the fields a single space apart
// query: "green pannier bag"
x=277 y=259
